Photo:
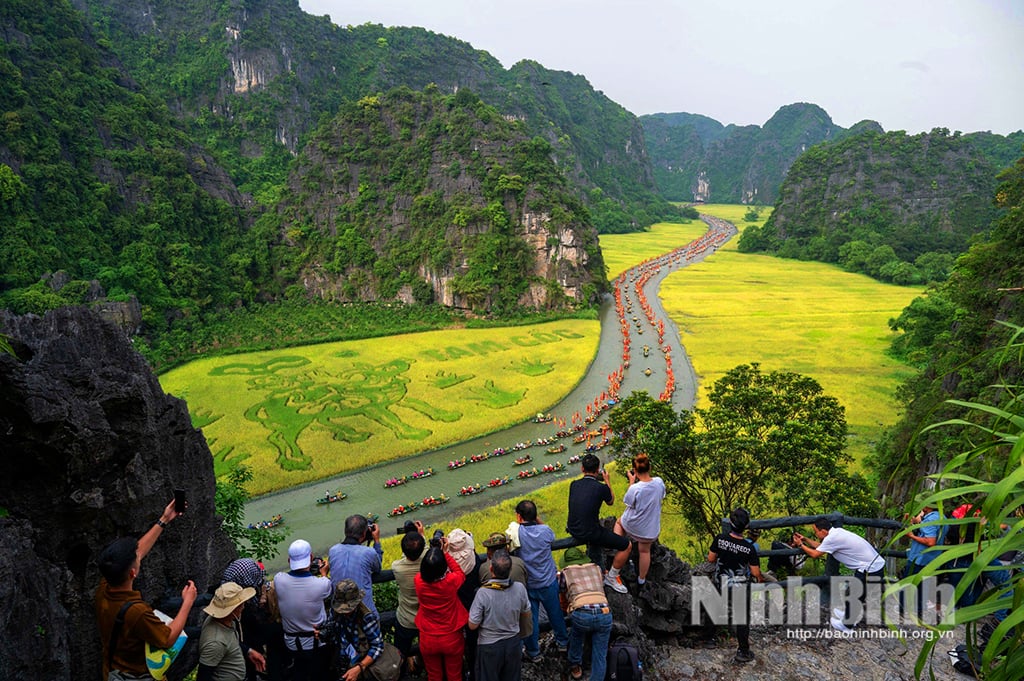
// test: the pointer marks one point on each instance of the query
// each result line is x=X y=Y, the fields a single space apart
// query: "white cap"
x=299 y=554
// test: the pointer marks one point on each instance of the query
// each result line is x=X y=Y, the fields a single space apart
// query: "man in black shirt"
x=585 y=498
x=735 y=556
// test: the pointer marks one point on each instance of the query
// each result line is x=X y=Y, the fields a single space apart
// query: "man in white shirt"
x=852 y=550
x=300 y=599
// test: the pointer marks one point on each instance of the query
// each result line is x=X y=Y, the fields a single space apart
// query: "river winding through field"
x=630 y=319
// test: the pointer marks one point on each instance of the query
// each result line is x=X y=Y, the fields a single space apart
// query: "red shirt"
x=441 y=611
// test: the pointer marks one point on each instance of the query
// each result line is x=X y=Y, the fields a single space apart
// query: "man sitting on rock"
x=586 y=495
x=126 y=622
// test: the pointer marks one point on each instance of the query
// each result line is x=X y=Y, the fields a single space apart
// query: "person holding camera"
x=641 y=521
x=405 y=569
x=586 y=495
x=354 y=558
x=300 y=596
x=441 y=615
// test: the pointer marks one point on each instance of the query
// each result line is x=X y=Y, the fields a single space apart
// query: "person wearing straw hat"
x=221 y=651
x=351 y=627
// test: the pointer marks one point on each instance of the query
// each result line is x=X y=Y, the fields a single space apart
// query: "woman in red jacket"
x=441 y=615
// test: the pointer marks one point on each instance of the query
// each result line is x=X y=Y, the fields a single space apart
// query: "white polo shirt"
x=852 y=550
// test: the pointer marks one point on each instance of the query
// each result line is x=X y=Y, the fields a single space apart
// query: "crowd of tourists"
x=461 y=614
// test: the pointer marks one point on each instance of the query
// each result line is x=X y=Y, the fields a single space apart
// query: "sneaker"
x=576 y=672
x=838 y=625
x=563 y=648
x=615 y=583
x=743 y=656
x=532 y=659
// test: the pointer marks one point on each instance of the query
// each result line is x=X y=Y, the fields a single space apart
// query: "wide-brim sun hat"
x=462 y=549
x=226 y=598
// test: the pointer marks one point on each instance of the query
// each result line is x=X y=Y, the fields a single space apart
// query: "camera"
x=409 y=526
x=316 y=565
x=436 y=539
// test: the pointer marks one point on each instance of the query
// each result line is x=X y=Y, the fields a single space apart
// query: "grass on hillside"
x=301 y=414
x=807 y=317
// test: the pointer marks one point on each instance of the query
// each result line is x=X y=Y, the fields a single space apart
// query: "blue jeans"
x=599 y=624
x=548 y=596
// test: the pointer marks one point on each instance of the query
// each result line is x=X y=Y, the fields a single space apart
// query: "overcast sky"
x=909 y=64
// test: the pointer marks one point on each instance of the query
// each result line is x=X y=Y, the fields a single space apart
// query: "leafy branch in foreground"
x=990 y=477
x=229 y=500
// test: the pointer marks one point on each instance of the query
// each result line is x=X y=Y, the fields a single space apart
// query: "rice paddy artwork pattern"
x=300 y=414
x=336 y=402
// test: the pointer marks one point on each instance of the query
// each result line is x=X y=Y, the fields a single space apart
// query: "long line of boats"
x=579 y=432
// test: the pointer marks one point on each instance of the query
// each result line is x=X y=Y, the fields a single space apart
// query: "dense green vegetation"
x=734 y=164
x=97 y=181
x=254 y=92
x=771 y=442
x=957 y=334
x=894 y=206
x=403 y=187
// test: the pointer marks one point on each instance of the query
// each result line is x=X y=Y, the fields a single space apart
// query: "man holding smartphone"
x=126 y=622
x=585 y=498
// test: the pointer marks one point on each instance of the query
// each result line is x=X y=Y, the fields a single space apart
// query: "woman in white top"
x=641 y=521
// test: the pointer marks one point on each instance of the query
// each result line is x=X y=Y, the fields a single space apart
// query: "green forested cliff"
x=895 y=206
x=696 y=158
x=97 y=179
x=424 y=197
x=956 y=334
x=251 y=80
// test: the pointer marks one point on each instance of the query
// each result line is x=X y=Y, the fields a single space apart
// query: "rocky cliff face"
x=697 y=159
x=93 y=449
x=421 y=196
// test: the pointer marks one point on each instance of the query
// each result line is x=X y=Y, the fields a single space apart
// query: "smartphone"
x=179 y=500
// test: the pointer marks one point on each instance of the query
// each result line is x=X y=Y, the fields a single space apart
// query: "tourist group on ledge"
x=460 y=614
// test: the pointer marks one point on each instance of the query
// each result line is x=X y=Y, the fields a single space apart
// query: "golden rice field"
x=807 y=317
x=737 y=308
x=622 y=251
x=302 y=414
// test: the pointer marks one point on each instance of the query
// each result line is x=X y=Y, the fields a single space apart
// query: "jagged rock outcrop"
x=93 y=450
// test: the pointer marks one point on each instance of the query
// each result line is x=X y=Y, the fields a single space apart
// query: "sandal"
x=576 y=672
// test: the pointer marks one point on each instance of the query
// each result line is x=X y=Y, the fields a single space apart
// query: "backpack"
x=624 y=663
x=964 y=662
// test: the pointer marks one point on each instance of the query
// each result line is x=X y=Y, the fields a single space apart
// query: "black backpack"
x=964 y=662
x=624 y=663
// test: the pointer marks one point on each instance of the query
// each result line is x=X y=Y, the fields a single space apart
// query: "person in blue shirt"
x=535 y=539
x=922 y=539
x=355 y=559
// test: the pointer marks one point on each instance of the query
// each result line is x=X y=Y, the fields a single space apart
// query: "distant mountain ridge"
x=898 y=207
x=696 y=158
x=253 y=79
